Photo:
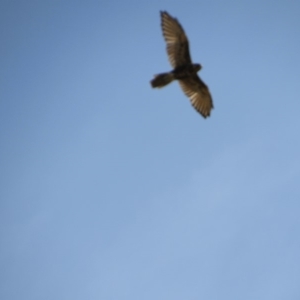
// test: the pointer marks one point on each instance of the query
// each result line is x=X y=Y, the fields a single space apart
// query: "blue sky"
x=113 y=190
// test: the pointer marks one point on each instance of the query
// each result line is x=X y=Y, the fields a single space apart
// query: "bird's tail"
x=162 y=79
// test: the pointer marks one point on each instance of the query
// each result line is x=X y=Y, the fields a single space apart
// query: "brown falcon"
x=184 y=70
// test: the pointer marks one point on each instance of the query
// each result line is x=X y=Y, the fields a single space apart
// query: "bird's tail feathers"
x=162 y=79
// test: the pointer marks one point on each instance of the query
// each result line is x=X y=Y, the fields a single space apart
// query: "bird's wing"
x=177 y=42
x=198 y=93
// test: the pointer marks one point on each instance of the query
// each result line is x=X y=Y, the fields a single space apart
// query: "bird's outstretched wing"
x=198 y=93
x=177 y=42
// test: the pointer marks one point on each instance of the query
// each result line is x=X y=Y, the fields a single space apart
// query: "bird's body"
x=178 y=73
x=184 y=70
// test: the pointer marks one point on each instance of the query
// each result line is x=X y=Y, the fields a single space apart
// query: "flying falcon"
x=183 y=68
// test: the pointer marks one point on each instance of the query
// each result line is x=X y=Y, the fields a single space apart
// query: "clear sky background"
x=113 y=190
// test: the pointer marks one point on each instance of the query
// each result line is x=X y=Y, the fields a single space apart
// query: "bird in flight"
x=183 y=69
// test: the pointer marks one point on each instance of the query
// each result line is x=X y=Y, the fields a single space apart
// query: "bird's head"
x=197 y=67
